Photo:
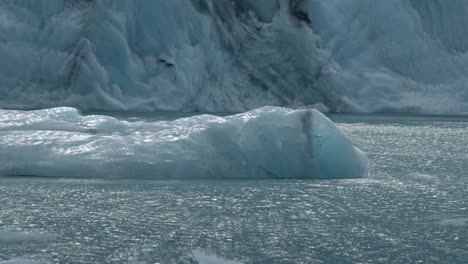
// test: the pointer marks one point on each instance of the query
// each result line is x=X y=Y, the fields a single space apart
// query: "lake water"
x=412 y=208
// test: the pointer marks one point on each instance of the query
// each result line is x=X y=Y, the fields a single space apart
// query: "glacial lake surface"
x=412 y=208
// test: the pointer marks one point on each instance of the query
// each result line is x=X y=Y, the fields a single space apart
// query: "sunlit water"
x=412 y=208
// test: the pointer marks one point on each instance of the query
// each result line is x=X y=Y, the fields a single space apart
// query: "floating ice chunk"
x=202 y=258
x=454 y=222
x=19 y=261
x=269 y=142
x=7 y=236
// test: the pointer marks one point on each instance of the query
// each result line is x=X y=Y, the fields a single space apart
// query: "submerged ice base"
x=269 y=142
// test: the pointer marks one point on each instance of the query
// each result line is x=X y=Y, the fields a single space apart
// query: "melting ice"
x=268 y=142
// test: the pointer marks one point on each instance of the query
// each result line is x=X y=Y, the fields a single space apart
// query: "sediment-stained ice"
x=269 y=142
x=235 y=55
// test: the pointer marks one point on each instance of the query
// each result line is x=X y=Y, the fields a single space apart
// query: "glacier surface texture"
x=269 y=142
x=226 y=55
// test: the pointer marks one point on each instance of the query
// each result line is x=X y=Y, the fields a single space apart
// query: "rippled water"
x=412 y=208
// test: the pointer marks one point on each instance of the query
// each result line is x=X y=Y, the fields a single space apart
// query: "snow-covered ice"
x=269 y=142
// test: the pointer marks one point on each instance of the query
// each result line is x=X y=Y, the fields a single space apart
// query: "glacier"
x=224 y=55
x=270 y=142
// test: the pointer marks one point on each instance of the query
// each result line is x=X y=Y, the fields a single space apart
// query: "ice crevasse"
x=234 y=55
x=269 y=142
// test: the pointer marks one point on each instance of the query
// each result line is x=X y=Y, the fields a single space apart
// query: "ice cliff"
x=235 y=55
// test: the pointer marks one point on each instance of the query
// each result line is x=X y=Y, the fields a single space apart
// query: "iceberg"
x=234 y=55
x=270 y=142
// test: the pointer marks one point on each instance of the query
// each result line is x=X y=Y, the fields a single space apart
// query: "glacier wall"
x=226 y=55
x=268 y=142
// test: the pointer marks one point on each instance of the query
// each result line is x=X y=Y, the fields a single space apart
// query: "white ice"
x=268 y=142
x=223 y=55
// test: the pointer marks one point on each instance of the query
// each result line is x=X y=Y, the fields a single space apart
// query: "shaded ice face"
x=333 y=151
x=269 y=142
